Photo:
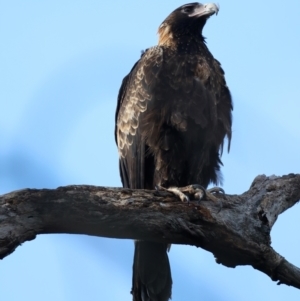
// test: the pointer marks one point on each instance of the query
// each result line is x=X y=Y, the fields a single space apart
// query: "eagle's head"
x=184 y=22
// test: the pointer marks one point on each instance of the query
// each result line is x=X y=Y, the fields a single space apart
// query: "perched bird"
x=173 y=114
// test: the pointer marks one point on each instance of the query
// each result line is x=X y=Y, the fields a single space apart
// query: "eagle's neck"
x=165 y=36
x=182 y=41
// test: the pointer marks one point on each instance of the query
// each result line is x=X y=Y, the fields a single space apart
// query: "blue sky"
x=62 y=63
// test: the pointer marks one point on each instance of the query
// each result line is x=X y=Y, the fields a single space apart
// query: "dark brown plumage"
x=173 y=114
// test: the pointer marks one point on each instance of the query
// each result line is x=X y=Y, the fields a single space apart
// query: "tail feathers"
x=152 y=280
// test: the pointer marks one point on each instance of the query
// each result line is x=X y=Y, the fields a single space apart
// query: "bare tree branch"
x=235 y=228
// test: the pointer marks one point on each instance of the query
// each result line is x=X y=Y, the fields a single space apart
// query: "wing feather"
x=133 y=99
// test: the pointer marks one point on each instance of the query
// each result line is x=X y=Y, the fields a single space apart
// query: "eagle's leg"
x=194 y=192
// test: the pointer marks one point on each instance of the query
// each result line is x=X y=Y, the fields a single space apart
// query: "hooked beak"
x=207 y=9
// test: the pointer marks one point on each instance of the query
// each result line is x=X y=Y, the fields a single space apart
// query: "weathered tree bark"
x=235 y=228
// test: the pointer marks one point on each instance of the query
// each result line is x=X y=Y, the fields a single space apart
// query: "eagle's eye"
x=187 y=9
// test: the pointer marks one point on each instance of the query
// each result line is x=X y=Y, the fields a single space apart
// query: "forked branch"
x=235 y=228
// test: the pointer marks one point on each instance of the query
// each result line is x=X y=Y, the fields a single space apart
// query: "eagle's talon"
x=215 y=190
x=199 y=195
x=175 y=190
x=178 y=192
x=193 y=192
x=199 y=192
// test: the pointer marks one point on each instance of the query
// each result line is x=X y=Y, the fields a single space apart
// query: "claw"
x=216 y=190
x=175 y=190
x=196 y=191
x=212 y=192
x=183 y=197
